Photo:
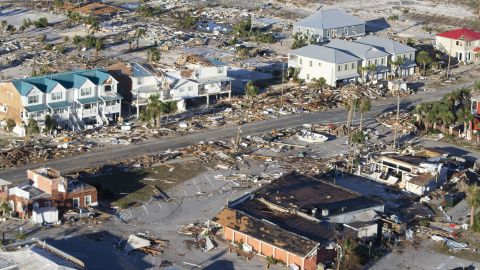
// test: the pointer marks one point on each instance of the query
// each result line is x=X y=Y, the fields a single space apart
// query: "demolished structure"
x=194 y=77
x=295 y=220
x=418 y=172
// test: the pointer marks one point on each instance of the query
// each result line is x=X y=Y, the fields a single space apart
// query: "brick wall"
x=266 y=249
x=81 y=196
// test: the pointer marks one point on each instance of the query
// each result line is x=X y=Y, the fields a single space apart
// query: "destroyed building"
x=330 y=23
x=418 y=172
x=296 y=219
x=73 y=99
x=46 y=188
x=194 y=77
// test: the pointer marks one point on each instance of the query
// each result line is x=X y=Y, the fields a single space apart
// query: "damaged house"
x=295 y=219
x=73 y=99
x=48 y=190
x=194 y=77
x=418 y=172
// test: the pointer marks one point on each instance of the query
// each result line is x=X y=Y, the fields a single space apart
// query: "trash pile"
x=202 y=235
x=144 y=242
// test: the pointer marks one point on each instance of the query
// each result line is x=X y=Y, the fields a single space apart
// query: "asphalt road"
x=121 y=152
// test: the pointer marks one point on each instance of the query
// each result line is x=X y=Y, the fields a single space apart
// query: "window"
x=75 y=202
x=56 y=96
x=345 y=31
x=139 y=80
x=369 y=62
x=190 y=88
x=107 y=88
x=319 y=64
x=180 y=89
x=311 y=63
x=85 y=92
x=220 y=70
x=457 y=43
x=376 y=62
x=3 y=108
x=308 y=76
x=353 y=65
x=339 y=68
x=346 y=66
x=59 y=111
x=300 y=59
x=383 y=61
x=33 y=99
x=88 y=199
x=48 y=204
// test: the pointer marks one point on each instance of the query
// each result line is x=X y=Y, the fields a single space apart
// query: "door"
x=75 y=202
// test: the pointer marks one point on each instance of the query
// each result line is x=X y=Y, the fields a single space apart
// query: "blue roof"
x=36 y=108
x=72 y=79
x=138 y=70
x=89 y=100
x=59 y=104
x=216 y=62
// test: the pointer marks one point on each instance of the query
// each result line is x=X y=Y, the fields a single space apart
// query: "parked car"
x=79 y=213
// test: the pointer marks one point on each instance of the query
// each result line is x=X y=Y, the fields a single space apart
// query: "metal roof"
x=36 y=108
x=215 y=80
x=112 y=96
x=356 y=49
x=72 y=79
x=140 y=70
x=325 y=54
x=60 y=104
x=328 y=19
x=385 y=44
x=89 y=100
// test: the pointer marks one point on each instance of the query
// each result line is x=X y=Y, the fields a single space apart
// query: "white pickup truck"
x=79 y=213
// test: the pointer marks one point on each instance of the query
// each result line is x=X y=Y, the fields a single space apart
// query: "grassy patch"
x=135 y=186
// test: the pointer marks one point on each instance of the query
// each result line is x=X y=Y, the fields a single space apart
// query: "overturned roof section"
x=325 y=54
x=356 y=49
x=328 y=19
x=386 y=45
x=73 y=79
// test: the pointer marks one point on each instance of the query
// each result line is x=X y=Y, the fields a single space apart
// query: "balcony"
x=92 y=112
x=111 y=109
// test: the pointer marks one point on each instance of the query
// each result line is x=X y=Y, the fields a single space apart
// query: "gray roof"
x=385 y=44
x=357 y=49
x=328 y=19
x=324 y=54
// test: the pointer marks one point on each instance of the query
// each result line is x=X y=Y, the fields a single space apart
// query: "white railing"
x=88 y=112
x=111 y=109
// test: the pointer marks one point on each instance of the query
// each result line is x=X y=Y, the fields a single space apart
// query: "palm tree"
x=424 y=59
x=473 y=200
x=350 y=106
x=6 y=210
x=31 y=129
x=98 y=47
x=396 y=65
x=155 y=109
x=50 y=123
x=139 y=33
x=170 y=107
x=154 y=55
x=365 y=106
x=3 y=25
x=446 y=115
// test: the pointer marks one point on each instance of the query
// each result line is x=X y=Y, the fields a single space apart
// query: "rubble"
x=146 y=243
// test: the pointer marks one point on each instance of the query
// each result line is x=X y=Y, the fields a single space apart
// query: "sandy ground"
x=15 y=16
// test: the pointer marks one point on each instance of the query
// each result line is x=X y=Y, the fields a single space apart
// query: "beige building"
x=463 y=44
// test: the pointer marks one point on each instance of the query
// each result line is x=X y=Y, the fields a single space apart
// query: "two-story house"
x=369 y=57
x=396 y=50
x=193 y=77
x=71 y=98
x=329 y=24
x=463 y=44
x=315 y=62
x=47 y=188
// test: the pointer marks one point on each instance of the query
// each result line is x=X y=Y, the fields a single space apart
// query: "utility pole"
x=281 y=98
x=396 y=124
